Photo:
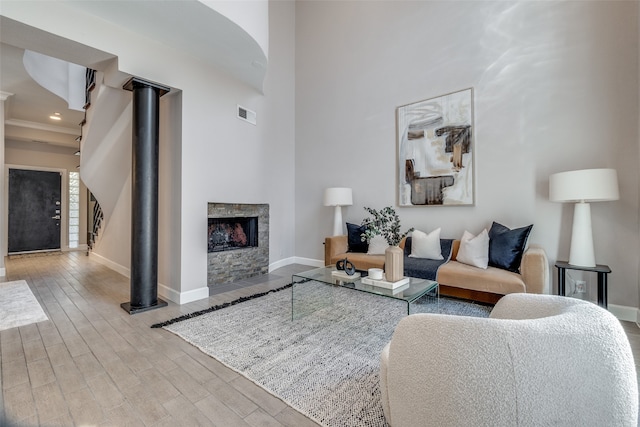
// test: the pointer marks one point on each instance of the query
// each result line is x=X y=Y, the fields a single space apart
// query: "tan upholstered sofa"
x=454 y=275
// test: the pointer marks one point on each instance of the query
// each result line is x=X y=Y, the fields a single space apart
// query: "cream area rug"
x=325 y=363
x=18 y=306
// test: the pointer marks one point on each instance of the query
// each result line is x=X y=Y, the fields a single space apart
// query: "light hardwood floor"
x=92 y=364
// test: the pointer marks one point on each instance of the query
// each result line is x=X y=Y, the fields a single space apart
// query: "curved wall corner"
x=251 y=16
x=231 y=35
x=65 y=79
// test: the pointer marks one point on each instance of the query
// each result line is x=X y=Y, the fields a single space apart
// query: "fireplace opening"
x=227 y=234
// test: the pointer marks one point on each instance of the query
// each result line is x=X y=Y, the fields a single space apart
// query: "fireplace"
x=237 y=241
x=227 y=234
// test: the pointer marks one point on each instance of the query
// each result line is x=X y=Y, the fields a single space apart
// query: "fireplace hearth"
x=237 y=241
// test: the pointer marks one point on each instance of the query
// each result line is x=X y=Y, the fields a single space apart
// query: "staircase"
x=105 y=153
x=95 y=216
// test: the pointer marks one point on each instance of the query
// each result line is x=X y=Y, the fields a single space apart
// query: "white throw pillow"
x=425 y=245
x=474 y=250
x=377 y=245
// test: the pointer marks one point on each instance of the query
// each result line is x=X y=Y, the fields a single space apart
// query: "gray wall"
x=555 y=86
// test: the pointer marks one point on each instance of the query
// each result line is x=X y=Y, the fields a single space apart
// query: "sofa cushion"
x=423 y=268
x=506 y=246
x=493 y=280
x=474 y=250
x=377 y=245
x=426 y=245
x=354 y=238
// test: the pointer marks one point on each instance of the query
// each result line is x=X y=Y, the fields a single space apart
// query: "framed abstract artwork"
x=435 y=151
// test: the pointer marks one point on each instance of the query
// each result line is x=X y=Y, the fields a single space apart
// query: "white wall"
x=555 y=86
x=277 y=151
x=226 y=160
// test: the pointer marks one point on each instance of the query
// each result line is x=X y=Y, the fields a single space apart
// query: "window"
x=74 y=209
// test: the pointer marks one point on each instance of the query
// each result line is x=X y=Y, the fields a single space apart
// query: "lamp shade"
x=338 y=196
x=587 y=185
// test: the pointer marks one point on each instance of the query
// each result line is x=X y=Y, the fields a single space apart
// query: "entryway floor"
x=94 y=364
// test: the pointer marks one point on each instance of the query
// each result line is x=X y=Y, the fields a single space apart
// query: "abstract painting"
x=435 y=151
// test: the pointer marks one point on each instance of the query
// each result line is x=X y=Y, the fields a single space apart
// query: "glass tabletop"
x=409 y=292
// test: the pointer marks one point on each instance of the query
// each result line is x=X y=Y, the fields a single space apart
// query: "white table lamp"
x=338 y=197
x=582 y=187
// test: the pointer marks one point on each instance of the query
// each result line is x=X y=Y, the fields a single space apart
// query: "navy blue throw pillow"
x=354 y=238
x=506 y=246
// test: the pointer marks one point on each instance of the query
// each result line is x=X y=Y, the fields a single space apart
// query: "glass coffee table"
x=409 y=293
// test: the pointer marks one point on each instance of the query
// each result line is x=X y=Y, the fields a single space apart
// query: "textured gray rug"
x=18 y=305
x=324 y=364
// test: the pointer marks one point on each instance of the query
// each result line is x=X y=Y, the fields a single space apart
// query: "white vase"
x=393 y=264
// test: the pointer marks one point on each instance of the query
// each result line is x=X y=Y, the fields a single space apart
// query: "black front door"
x=34 y=210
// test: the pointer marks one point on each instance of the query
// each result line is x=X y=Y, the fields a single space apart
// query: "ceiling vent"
x=247 y=115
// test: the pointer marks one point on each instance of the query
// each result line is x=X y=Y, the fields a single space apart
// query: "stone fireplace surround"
x=229 y=266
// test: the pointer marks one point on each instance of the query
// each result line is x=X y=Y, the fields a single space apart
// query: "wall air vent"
x=247 y=115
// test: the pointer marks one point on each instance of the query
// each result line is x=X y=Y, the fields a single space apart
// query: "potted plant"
x=386 y=223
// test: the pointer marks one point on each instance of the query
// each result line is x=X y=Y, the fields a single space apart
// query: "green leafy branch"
x=385 y=223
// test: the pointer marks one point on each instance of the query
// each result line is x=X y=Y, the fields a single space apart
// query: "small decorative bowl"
x=375 y=273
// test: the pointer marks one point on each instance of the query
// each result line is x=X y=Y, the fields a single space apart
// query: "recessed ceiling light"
x=56 y=116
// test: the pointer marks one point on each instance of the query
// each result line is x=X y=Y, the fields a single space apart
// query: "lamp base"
x=582 y=253
x=337 y=221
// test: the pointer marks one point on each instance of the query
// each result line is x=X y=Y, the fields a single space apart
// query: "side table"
x=602 y=271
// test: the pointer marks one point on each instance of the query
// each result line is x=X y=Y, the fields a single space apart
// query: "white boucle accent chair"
x=539 y=360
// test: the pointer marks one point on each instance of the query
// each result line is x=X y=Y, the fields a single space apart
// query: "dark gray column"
x=144 y=196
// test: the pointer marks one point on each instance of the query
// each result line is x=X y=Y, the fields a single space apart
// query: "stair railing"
x=94 y=223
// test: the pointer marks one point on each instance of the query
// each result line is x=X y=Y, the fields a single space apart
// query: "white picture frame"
x=435 y=151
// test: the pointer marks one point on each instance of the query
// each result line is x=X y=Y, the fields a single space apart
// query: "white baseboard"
x=623 y=312
x=182 y=297
x=309 y=261
x=295 y=260
x=112 y=265
x=281 y=263
x=164 y=291
x=167 y=293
